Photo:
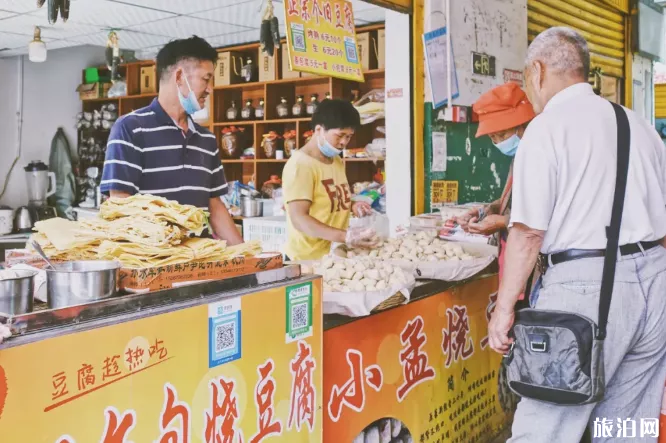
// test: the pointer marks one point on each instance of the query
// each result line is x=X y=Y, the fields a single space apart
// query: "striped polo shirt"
x=148 y=153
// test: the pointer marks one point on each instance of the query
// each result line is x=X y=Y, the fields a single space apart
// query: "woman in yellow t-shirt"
x=316 y=190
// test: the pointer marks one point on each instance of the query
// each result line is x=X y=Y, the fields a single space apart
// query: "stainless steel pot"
x=80 y=282
x=16 y=294
x=251 y=207
x=23 y=220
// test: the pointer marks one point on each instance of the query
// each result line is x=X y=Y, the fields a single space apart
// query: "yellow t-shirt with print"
x=326 y=186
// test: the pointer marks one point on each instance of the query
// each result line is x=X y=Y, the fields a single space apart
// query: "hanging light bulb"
x=37 y=48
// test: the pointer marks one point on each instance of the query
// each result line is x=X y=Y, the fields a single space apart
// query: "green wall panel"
x=481 y=173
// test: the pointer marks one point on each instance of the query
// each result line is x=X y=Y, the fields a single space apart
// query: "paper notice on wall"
x=438 y=68
x=438 y=152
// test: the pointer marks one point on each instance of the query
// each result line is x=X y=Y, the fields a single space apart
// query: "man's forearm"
x=521 y=255
x=222 y=223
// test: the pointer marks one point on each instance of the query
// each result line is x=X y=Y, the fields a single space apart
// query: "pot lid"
x=36 y=165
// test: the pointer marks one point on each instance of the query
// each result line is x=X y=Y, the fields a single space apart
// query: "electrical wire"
x=19 y=124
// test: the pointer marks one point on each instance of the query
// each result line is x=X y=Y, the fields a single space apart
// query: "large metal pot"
x=79 y=282
x=16 y=293
x=251 y=207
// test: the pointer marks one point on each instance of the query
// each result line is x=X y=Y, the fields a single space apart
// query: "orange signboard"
x=244 y=369
x=422 y=372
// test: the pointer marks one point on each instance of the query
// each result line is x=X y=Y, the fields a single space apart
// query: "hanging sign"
x=321 y=38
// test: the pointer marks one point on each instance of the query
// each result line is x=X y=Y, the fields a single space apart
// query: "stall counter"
x=420 y=372
x=232 y=360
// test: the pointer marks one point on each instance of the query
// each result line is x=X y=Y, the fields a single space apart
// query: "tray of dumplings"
x=356 y=287
x=428 y=256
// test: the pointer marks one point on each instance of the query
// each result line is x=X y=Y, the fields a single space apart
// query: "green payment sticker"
x=299 y=312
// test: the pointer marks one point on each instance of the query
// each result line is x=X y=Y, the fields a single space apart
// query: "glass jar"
x=283 y=108
x=299 y=107
x=248 y=111
x=259 y=110
x=232 y=112
x=313 y=105
x=247 y=71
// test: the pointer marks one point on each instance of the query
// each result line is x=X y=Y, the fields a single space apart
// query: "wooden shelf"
x=228 y=160
x=358 y=160
x=132 y=97
x=102 y=99
x=260 y=169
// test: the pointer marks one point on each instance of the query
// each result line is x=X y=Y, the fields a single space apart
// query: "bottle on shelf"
x=247 y=70
x=248 y=111
x=232 y=112
x=299 y=107
x=283 y=108
x=259 y=110
x=313 y=105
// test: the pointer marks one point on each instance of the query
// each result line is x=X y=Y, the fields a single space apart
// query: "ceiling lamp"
x=37 y=48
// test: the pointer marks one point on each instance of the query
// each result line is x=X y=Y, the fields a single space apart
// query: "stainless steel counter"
x=46 y=323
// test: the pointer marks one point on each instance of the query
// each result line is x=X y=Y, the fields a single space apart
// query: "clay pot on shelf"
x=232 y=139
x=289 y=143
x=270 y=144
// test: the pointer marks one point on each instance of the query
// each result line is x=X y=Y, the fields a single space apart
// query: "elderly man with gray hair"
x=564 y=181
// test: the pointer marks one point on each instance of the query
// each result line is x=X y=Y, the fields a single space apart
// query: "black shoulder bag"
x=535 y=365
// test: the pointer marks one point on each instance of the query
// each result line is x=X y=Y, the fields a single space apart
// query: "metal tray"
x=117 y=308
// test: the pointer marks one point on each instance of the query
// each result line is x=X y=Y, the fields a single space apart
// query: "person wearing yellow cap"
x=504 y=113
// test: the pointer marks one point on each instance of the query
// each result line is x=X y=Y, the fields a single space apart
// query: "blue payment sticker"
x=224 y=332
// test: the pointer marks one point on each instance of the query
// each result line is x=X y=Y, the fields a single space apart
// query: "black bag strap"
x=613 y=231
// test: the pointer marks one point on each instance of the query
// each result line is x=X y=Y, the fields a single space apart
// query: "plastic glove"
x=361 y=238
x=361 y=209
x=5 y=332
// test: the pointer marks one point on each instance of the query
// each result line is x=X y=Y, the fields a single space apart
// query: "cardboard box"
x=15 y=257
x=89 y=91
x=148 y=80
x=166 y=277
x=267 y=71
x=381 y=49
x=364 y=50
x=227 y=71
x=286 y=72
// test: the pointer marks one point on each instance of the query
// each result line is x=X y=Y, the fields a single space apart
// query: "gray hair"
x=561 y=49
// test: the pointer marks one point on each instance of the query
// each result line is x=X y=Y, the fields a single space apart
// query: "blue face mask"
x=190 y=103
x=509 y=146
x=327 y=149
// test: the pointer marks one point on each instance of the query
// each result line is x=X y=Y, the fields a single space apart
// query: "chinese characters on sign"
x=456 y=344
x=414 y=360
x=352 y=393
x=222 y=417
x=93 y=375
x=443 y=191
x=322 y=38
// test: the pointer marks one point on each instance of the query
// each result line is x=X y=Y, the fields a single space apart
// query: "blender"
x=41 y=185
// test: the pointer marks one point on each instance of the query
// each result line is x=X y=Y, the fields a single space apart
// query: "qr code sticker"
x=299 y=316
x=299 y=42
x=351 y=52
x=225 y=337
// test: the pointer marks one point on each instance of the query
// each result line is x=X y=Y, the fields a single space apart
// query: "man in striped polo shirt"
x=159 y=150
